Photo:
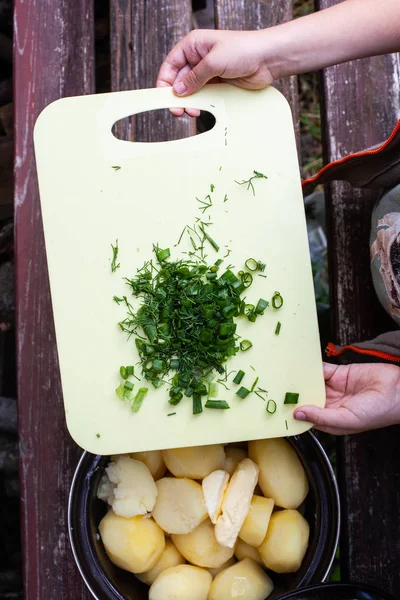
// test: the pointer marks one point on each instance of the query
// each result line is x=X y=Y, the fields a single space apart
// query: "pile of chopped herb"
x=186 y=321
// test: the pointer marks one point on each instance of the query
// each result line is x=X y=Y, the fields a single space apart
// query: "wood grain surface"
x=245 y=15
x=362 y=104
x=53 y=57
x=142 y=34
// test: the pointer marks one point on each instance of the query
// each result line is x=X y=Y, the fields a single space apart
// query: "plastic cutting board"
x=87 y=204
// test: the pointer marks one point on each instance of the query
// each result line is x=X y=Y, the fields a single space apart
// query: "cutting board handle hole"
x=161 y=126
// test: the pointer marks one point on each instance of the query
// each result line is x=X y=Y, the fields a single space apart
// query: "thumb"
x=331 y=420
x=195 y=79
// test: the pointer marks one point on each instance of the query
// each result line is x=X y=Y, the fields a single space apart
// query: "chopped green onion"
x=197 y=405
x=287 y=428
x=261 y=306
x=116 y=167
x=254 y=385
x=126 y=372
x=162 y=254
x=251 y=264
x=98 y=435
x=245 y=345
x=185 y=322
x=242 y=392
x=137 y=403
x=175 y=399
x=238 y=377
x=120 y=391
x=291 y=398
x=278 y=328
x=271 y=407
x=171 y=414
x=213 y=390
x=114 y=265
x=217 y=404
x=209 y=239
x=159 y=365
x=277 y=300
x=212 y=187
x=247 y=279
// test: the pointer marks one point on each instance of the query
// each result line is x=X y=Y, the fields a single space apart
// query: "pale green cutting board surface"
x=86 y=205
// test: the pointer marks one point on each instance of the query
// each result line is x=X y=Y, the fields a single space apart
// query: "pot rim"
x=335 y=489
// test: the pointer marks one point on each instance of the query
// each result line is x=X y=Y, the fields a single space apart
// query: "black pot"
x=106 y=581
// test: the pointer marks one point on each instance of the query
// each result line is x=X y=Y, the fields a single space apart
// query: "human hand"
x=359 y=397
x=237 y=57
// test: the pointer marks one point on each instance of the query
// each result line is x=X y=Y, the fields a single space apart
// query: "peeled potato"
x=214 y=487
x=282 y=476
x=196 y=462
x=233 y=456
x=201 y=548
x=286 y=541
x=133 y=544
x=171 y=557
x=255 y=526
x=180 y=505
x=153 y=460
x=243 y=550
x=245 y=580
x=128 y=487
x=229 y=563
x=236 y=503
x=181 y=583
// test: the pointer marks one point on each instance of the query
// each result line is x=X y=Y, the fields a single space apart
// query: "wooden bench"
x=54 y=56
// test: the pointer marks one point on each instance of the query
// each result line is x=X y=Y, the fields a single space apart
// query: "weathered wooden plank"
x=142 y=34
x=53 y=57
x=244 y=15
x=362 y=104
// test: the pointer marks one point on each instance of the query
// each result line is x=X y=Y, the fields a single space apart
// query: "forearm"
x=350 y=30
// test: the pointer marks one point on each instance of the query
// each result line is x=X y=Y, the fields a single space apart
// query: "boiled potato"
x=286 y=542
x=229 y=563
x=196 y=462
x=201 y=548
x=128 y=487
x=245 y=580
x=233 y=456
x=181 y=583
x=180 y=505
x=243 y=550
x=282 y=476
x=171 y=557
x=154 y=462
x=214 y=487
x=255 y=526
x=236 y=503
x=133 y=544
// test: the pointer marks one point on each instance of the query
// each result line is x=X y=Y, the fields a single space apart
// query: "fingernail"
x=180 y=87
x=299 y=416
